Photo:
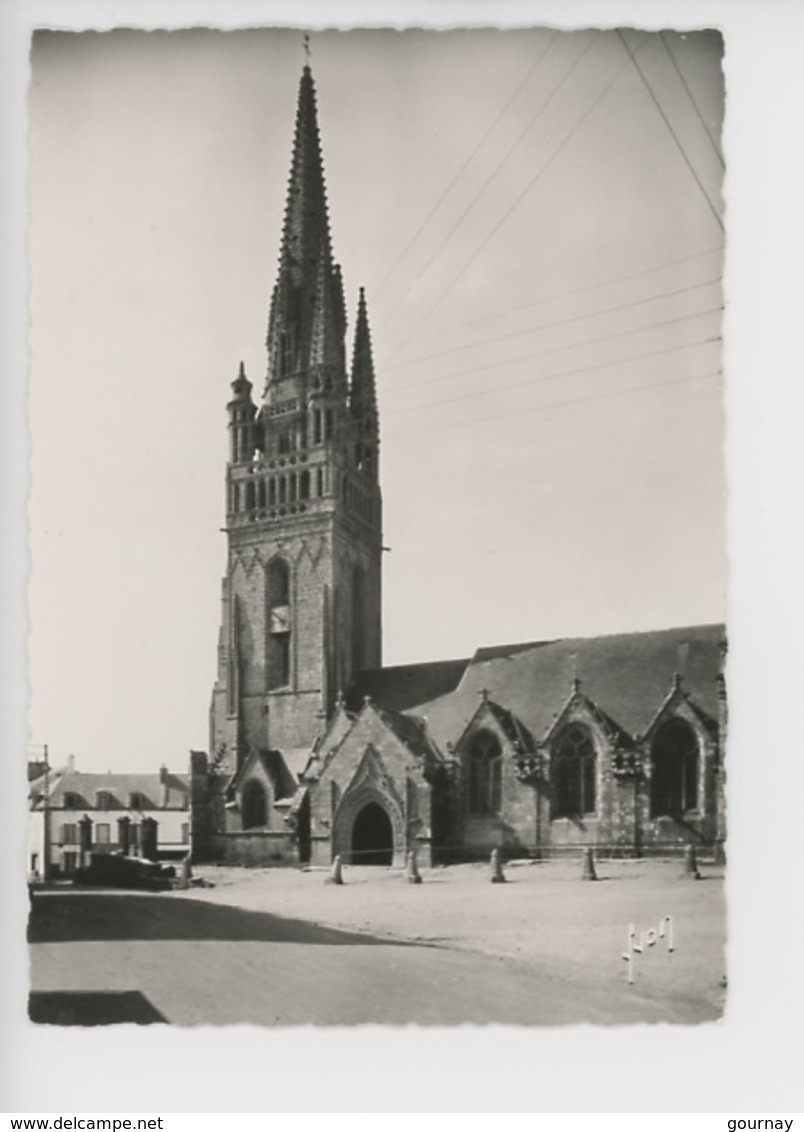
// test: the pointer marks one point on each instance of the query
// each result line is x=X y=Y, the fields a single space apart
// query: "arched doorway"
x=372 y=837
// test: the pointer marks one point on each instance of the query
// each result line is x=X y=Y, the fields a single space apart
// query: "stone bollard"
x=588 y=872
x=185 y=873
x=413 y=875
x=497 y=874
x=335 y=876
x=690 y=865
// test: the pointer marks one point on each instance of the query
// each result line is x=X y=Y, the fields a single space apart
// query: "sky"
x=537 y=219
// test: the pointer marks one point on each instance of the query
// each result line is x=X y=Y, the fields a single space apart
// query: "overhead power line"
x=450 y=327
x=671 y=131
x=691 y=97
x=492 y=177
x=544 y=405
x=520 y=85
x=529 y=185
x=550 y=326
x=497 y=389
x=505 y=362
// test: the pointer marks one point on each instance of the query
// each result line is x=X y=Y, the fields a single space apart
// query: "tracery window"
x=485 y=774
x=574 y=773
x=674 y=782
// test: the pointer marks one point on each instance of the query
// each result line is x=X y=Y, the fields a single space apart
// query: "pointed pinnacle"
x=241 y=386
x=363 y=394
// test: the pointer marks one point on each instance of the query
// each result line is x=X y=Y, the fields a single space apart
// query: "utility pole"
x=46 y=838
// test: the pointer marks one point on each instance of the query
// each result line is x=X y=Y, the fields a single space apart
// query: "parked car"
x=116 y=871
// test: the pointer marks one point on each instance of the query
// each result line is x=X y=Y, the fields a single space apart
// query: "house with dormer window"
x=141 y=815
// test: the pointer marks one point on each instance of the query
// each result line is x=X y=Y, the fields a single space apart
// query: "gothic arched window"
x=358 y=619
x=279 y=619
x=255 y=805
x=574 y=773
x=485 y=774
x=674 y=782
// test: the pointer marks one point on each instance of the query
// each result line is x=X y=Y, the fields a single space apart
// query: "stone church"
x=316 y=750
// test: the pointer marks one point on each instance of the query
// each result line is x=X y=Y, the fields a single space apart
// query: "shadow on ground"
x=91 y=1008
x=67 y=917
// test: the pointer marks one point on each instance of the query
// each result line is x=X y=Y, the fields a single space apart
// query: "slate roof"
x=284 y=782
x=512 y=727
x=409 y=729
x=86 y=786
x=405 y=685
x=627 y=676
x=296 y=759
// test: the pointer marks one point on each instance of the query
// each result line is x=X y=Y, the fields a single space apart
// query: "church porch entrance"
x=372 y=841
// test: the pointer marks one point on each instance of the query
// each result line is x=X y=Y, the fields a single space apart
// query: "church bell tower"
x=301 y=596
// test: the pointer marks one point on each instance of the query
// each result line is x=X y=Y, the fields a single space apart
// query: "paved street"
x=200 y=963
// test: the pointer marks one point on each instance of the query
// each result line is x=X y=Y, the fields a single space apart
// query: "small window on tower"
x=359 y=619
x=279 y=623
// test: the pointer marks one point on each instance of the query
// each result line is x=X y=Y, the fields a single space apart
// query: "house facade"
x=537 y=748
x=76 y=815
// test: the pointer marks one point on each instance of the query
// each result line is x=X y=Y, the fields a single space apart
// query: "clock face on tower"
x=280 y=619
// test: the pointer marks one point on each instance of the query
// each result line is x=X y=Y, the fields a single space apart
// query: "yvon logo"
x=636 y=945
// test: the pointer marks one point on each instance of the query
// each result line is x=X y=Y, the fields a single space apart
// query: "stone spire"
x=305 y=243
x=363 y=392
